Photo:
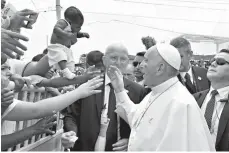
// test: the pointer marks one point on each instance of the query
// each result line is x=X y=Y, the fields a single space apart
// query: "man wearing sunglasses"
x=137 y=68
x=214 y=103
x=193 y=77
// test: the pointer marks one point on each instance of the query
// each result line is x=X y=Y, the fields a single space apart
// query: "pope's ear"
x=161 y=68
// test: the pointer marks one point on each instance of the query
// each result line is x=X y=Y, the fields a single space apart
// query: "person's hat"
x=170 y=54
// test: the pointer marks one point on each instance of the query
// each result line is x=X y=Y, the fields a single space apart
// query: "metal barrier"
x=40 y=142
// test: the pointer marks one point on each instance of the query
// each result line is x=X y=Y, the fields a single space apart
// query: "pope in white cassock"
x=168 y=118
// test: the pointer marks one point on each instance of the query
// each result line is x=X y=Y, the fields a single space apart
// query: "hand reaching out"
x=88 y=88
x=44 y=125
x=92 y=72
x=53 y=91
x=116 y=78
x=18 y=19
x=9 y=44
x=20 y=82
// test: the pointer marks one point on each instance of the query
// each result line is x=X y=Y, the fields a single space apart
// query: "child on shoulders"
x=65 y=34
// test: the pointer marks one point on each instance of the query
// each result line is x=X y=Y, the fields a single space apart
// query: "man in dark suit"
x=90 y=115
x=214 y=102
x=194 y=78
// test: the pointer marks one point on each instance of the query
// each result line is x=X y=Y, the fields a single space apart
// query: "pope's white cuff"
x=121 y=97
x=125 y=108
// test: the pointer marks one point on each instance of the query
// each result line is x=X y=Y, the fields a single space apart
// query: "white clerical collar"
x=222 y=91
x=163 y=86
x=107 y=79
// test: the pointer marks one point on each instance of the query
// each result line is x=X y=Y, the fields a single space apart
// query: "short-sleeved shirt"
x=8 y=127
x=17 y=66
x=9 y=109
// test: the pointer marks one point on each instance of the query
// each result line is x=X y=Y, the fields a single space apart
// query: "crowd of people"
x=157 y=102
x=201 y=63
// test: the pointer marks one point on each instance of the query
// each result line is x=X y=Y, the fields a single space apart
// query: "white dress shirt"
x=223 y=93
x=106 y=96
x=104 y=122
x=168 y=119
x=101 y=140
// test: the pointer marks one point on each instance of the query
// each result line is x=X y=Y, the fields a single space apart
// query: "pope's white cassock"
x=168 y=119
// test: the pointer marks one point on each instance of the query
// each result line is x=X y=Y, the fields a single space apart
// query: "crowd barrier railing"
x=39 y=142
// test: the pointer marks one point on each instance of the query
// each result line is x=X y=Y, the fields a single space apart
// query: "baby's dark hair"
x=224 y=51
x=72 y=13
x=94 y=57
x=38 y=57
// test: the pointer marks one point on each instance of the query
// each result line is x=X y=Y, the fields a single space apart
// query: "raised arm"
x=59 y=29
x=61 y=82
x=125 y=108
x=82 y=34
x=46 y=107
x=40 y=127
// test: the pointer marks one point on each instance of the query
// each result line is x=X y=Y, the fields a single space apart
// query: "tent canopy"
x=204 y=38
x=107 y=21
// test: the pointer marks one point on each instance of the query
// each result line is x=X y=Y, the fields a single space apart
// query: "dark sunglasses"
x=219 y=61
x=136 y=63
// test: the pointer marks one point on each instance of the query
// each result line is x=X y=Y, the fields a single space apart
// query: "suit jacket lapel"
x=99 y=101
x=180 y=78
x=194 y=75
x=202 y=97
x=223 y=122
x=196 y=81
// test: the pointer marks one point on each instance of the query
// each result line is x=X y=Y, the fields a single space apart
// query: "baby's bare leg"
x=62 y=64
x=66 y=72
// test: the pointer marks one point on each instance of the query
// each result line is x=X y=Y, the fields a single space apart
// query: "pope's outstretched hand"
x=116 y=78
x=89 y=88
